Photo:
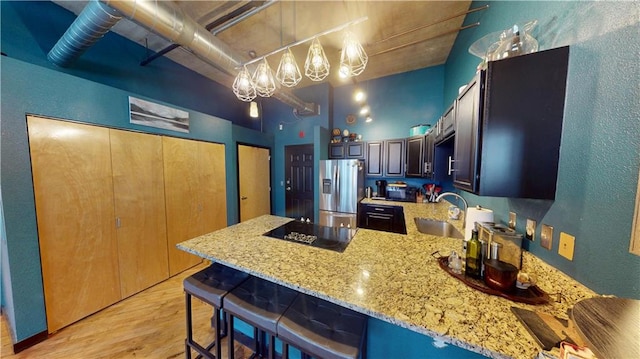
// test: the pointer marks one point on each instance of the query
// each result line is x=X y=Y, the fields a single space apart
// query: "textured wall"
x=31 y=28
x=600 y=150
x=30 y=89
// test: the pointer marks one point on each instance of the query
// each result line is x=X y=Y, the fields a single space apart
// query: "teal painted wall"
x=397 y=103
x=31 y=28
x=600 y=150
x=599 y=155
x=295 y=131
x=31 y=89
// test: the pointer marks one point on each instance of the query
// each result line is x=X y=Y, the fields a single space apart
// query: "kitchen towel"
x=476 y=214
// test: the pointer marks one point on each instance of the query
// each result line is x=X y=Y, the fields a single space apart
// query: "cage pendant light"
x=353 y=59
x=263 y=79
x=316 y=67
x=243 y=87
x=288 y=73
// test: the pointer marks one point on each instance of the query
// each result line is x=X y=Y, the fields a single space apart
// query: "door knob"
x=243 y=198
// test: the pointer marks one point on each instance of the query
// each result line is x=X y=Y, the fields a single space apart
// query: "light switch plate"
x=531 y=230
x=566 y=245
x=512 y=220
x=546 y=237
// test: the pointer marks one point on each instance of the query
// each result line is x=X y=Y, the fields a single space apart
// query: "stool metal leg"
x=187 y=347
x=230 y=343
x=216 y=330
x=190 y=343
x=271 y=348
x=257 y=339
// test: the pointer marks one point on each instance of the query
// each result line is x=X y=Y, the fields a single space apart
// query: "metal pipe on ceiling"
x=219 y=24
x=423 y=40
x=95 y=20
x=167 y=20
x=431 y=24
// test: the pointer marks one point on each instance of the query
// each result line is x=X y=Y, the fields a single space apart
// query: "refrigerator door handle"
x=336 y=186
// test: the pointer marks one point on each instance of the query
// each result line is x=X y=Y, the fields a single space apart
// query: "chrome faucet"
x=466 y=205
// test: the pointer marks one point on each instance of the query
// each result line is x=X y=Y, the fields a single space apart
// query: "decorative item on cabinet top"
x=344 y=136
x=514 y=41
x=419 y=130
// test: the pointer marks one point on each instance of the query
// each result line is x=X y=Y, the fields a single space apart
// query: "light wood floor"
x=150 y=324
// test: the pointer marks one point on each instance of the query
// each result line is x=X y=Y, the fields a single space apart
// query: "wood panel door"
x=138 y=183
x=73 y=188
x=195 y=195
x=213 y=187
x=182 y=183
x=254 y=177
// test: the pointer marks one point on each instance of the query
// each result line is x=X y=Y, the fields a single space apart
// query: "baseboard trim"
x=29 y=342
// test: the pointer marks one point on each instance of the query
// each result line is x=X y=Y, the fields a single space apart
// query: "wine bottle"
x=473 y=256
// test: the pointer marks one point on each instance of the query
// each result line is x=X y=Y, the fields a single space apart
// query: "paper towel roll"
x=473 y=215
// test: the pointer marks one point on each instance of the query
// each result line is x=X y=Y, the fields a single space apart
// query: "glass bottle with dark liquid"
x=474 y=256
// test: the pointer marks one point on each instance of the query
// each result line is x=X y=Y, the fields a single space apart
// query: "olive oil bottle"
x=473 y=256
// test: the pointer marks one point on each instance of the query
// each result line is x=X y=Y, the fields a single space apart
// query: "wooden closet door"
x=213 y=187
x=73 y=188
x=183 y=207
x=254 y=175
x=138 y=183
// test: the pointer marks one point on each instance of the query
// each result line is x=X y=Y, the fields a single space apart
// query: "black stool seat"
x=259 y=303
x=209 y=285
x=323 y=329
x=213 y=283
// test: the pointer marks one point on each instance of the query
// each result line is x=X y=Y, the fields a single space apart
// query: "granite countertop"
x=394 y=277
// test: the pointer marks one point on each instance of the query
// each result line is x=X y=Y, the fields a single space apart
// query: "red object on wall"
x=301 y=134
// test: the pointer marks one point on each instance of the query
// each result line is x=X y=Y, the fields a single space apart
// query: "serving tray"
x=532 y=295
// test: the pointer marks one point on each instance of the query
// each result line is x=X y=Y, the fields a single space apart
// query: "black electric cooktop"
x=336 y=239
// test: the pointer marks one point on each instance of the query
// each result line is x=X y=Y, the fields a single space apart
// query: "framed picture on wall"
x=151 y=114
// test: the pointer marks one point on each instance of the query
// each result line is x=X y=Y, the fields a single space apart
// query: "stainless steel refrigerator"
x=341 y=189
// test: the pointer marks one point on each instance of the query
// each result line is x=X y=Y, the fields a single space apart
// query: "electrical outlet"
x=546 y=237
x=566 y=244
x=512 y=220
x=531 y=230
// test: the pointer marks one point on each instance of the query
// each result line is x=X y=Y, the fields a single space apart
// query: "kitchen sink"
x=437 y=228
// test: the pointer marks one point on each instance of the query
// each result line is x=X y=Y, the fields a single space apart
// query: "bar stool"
x=260 y=303
x=209 y=285
x=323 y=329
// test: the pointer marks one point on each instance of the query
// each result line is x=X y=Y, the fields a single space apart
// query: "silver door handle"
x=451 y=170
x=243 y=198
x=288 y=188
x=118 y=222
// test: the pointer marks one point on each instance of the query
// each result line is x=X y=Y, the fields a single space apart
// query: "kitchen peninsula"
x=394 y=278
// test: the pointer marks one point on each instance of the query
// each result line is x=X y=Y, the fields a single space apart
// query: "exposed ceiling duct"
x=94 y=21
x=167 y=20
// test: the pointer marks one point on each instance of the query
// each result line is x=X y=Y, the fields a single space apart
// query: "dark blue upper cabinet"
x=509 y=127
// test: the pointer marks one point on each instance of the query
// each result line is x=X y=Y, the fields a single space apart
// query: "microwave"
x=401 y=192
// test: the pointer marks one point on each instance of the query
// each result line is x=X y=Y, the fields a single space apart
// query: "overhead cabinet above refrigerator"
x=509 y=126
